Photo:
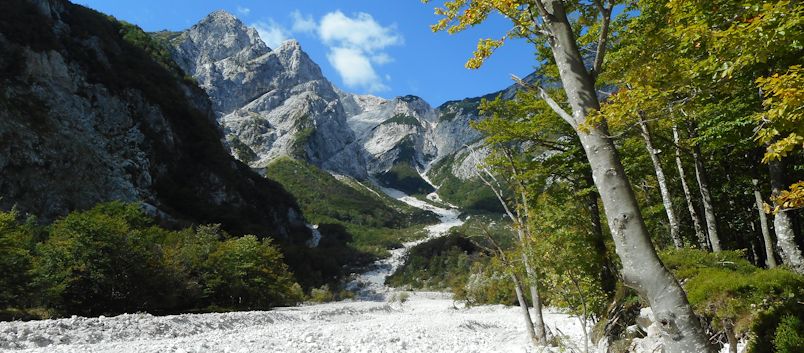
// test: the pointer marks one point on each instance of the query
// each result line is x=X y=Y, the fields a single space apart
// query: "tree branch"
x=542 y=10
x=605 y=13
x=552 y=103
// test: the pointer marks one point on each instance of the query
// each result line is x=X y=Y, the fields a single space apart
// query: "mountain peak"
x=221 y=16
x=289 y=45
x=218 y=36
x=221 y=13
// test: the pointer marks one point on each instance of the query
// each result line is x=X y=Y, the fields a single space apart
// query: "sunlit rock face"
x=270 y=103
x=276 y=102
x=86 y=116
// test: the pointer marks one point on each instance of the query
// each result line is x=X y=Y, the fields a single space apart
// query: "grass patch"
x=470 y=195
x=404 y=177
x=728 y=291
x=372 y=221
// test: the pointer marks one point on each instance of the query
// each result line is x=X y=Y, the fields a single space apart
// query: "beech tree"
x=526 y=134
x=519 y=213
x=663 y=188
x=696 y=220
x=547 y=24
x=744 y=48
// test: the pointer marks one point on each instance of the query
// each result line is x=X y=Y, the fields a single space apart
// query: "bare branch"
x=542 y=10
x=497 y=190
x=605 y=13
x=552 y=103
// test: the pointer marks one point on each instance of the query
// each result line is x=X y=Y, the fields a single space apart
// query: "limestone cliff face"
x=391 y=131
x=88 y=115
x=271 y=103
x=276 y=102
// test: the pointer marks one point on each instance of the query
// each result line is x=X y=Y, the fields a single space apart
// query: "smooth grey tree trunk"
x=700 y=235
x=642 y=270
x=523 y=304
x=522 y=233
x=667 y=201
x=706 y=198
x=783 y=225
x=538 y=319
x=770 y=258
x=533 y=278
x=607 y=276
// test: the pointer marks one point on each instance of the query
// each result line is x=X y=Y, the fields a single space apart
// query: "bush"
x=249 y=273
x=322 y=294
x=725 y=288
x=112 y=259
x=687 y=263
x=100 y=261
x=768 y=323
x=487 y=284
x=15 y=260
x=186 y=253
x=789 y=336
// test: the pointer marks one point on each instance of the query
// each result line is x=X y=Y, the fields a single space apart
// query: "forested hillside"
x=641 y=191
x=662 y=129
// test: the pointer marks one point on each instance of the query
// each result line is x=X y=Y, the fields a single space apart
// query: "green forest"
x=651 y=166
x=657 y=160
x=114 y=259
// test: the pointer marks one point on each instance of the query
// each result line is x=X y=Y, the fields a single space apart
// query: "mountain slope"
x=276 y=102
x=271 y=103
x=342 y=206
x=89 y=115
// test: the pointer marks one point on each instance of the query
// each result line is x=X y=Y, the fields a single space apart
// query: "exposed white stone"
x=278 y=103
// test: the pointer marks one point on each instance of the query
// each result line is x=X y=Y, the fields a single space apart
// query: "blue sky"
x=384 y=48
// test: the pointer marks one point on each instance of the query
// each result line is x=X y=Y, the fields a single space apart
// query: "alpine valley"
x=274 y=103
x=196 y=190
x=211 y=126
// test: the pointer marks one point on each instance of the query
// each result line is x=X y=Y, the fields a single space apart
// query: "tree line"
x=635 y=98
x=114 y=259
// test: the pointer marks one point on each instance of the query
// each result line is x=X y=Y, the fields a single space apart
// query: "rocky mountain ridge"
x=91 y=111
x=276 y=102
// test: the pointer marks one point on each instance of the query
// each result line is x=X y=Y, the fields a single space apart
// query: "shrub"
x=100 y=261
x=322 y=294
x=248 y=273
x=789 y=336
x=687 y=263
x=729 y=291
x=15 y=260
x=185 y=256
x=112 y=259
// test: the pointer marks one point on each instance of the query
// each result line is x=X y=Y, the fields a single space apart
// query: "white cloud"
x=361 y=32
x=381 y=58
x=355 y=69
x=303 y=24
x=272 y=33
x=356 y=44
x=245 y=11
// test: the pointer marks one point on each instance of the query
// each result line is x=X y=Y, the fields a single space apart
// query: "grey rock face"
x=391 y=131
x=95 y=150
x=275 y=102
x=78 y=126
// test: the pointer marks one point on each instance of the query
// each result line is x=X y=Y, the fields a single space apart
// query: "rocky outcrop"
x=275 y=103
x=89 y=113
x=272 y=103
x=391 y=131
